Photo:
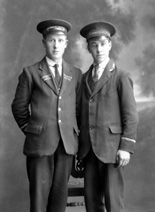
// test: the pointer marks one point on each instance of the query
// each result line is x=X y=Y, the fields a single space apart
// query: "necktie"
x=57 y=75
x=96 y=74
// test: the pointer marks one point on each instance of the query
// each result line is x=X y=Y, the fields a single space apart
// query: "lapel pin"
x=46 y=77
x=67 y=77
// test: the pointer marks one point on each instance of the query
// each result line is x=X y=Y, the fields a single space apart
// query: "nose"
x=99 y=48
x=56 y=44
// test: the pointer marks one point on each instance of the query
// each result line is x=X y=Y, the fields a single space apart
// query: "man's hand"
x=122 y=158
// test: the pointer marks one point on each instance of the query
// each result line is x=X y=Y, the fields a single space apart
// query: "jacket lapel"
x=67 y=76
x=46 y=76
x=107 y=73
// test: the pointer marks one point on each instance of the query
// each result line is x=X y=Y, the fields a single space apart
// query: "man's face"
x=99 y=47
x=55 y=45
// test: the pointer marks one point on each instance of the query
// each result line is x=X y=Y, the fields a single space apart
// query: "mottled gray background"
x=134 y=50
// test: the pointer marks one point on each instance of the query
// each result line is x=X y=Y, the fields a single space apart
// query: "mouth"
x=100 y=55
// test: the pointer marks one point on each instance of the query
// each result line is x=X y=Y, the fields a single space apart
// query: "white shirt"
x=100 y=68
x=51 y=65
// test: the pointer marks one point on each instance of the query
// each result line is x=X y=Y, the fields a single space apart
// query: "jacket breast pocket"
x=107 y=93
x=34 y=129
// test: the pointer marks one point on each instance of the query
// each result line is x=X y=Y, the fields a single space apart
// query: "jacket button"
x=91 y=114
x=59 y=121
x=59 y=97
x=91 y=100
x=59 y=109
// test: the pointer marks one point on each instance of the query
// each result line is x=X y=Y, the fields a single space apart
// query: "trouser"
x=103 y=185
x=48 y=177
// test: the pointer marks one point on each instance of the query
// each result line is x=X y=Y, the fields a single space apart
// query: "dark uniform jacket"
x=108 y=114
x=43 y=113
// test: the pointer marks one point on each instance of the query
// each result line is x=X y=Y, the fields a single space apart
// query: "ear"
x=43 y=41
x=66 y=43
x=88 y=48
x=110 y=45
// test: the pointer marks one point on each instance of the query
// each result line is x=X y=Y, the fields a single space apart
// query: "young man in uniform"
x=44 y=107
x=108 y=123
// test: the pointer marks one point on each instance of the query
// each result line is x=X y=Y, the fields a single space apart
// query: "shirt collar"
x=103 y=64
x=52 y=63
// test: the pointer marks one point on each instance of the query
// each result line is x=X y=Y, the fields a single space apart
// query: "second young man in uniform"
x=108 y=123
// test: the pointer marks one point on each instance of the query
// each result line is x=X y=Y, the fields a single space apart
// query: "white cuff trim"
x=129 y=139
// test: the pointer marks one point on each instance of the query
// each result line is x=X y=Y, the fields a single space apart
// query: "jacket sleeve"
x=129 y=113
x=20 y=104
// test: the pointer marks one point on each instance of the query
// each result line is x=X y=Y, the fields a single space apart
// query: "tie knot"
x=56 y=65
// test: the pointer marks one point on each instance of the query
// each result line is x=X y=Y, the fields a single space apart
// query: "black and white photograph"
x=77 y=106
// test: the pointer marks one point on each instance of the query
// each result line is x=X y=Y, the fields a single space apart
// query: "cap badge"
x=67 y=77
x=98 y=32
x=57 y=28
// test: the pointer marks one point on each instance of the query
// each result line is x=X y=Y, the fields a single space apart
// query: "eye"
x=93 y=45
x=51 y=40
x=104 y=43
x=61 y=40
